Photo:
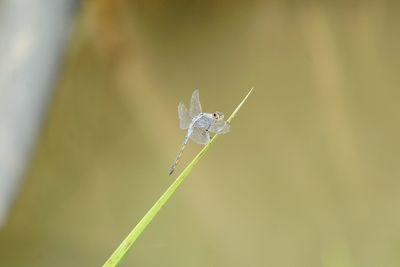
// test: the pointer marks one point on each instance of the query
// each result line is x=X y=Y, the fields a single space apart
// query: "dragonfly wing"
x=200 y=136
x=195 y=106
x=220 y=127
x=184 y=118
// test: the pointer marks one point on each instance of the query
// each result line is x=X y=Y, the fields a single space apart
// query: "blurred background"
x=308 y=176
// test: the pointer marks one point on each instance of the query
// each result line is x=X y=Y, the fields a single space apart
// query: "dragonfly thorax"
x=203 y=121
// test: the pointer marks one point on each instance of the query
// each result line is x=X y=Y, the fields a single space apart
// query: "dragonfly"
x=199 y=125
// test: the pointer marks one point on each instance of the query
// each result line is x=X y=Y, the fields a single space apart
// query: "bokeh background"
x=308 y=176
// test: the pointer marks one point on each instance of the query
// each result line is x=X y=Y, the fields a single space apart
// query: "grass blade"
x=120 y=252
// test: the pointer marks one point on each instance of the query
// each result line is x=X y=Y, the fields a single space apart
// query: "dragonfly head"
x=219 y=116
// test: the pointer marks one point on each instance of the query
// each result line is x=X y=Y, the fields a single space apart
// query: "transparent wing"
x=195 y=106
x=184 y=118
x=220 y=127
x=200 y=136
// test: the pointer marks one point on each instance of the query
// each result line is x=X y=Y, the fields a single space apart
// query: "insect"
x=198 y=125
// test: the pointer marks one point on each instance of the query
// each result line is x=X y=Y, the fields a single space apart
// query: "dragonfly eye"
x=218 y=115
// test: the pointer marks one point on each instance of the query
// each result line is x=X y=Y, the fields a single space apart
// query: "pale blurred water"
x=32 y=37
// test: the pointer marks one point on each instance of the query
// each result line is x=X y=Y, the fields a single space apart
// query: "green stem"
x=120 y=252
